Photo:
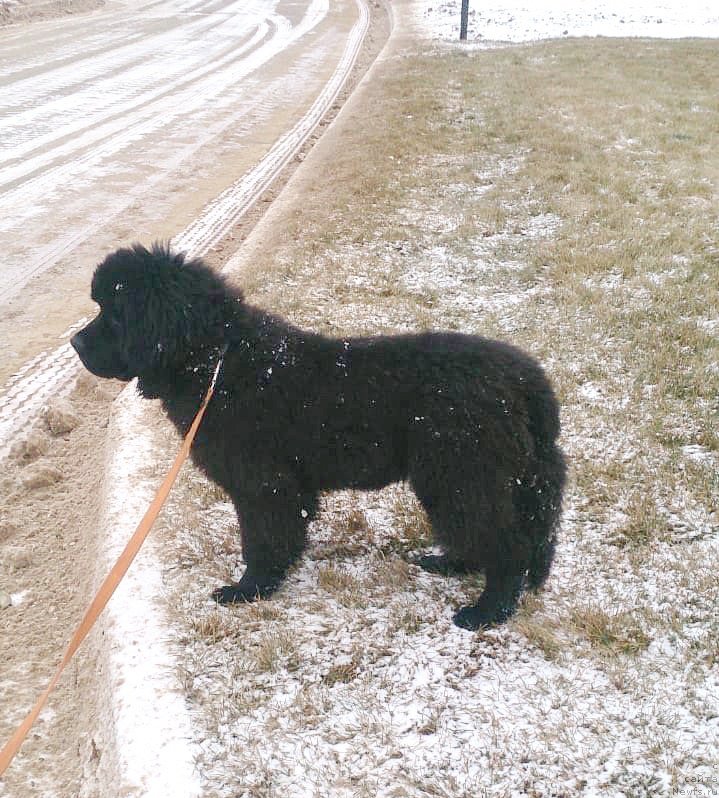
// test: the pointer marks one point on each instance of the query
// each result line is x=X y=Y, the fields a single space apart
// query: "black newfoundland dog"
x=470 y=423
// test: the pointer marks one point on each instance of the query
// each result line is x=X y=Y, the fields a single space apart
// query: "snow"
x=511 y=21
x=146 y=710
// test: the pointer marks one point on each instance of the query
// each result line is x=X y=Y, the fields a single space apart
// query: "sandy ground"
x=52 y=488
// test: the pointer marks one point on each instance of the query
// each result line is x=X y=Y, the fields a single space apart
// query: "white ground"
x=510 y=21
x=124 y=124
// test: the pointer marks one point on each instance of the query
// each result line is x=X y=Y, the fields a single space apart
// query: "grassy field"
x=562 y=196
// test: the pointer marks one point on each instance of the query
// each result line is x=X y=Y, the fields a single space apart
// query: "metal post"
x=464 y=21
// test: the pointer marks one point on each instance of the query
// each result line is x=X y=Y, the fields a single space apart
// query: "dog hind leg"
x=498 y=601
x=472 y=508
x=499 y=552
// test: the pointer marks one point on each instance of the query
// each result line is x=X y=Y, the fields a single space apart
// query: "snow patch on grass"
x=513 y=21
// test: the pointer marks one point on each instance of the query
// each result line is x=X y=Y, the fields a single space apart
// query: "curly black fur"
x=470 y=423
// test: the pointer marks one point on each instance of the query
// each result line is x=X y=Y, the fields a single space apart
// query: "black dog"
x=471 y=423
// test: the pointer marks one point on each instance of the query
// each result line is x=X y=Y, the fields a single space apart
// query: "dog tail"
x=542 y=505
x=541 y=493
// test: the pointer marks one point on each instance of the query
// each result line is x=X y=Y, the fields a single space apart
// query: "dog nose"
x=77 y=343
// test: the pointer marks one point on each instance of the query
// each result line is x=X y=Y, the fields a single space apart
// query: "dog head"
x=156 y=308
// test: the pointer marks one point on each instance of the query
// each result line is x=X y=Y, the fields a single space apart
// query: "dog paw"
x=242 y=593
x=479 y=617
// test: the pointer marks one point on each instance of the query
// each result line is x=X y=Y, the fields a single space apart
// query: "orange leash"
x=112 y=580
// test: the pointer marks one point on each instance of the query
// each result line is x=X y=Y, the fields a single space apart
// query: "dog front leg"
x=273 y=528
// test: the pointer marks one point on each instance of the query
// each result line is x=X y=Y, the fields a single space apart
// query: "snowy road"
x=146 y=120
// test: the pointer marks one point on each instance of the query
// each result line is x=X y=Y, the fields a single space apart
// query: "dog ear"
x=172 y=309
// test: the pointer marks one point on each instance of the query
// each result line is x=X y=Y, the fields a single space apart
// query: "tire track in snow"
x=46 y=376
x=51 y=374
x=62 y=38
x=142 y=112
x=46 y=256
x=126 y=127
x=223 y=212
x=141 y=102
